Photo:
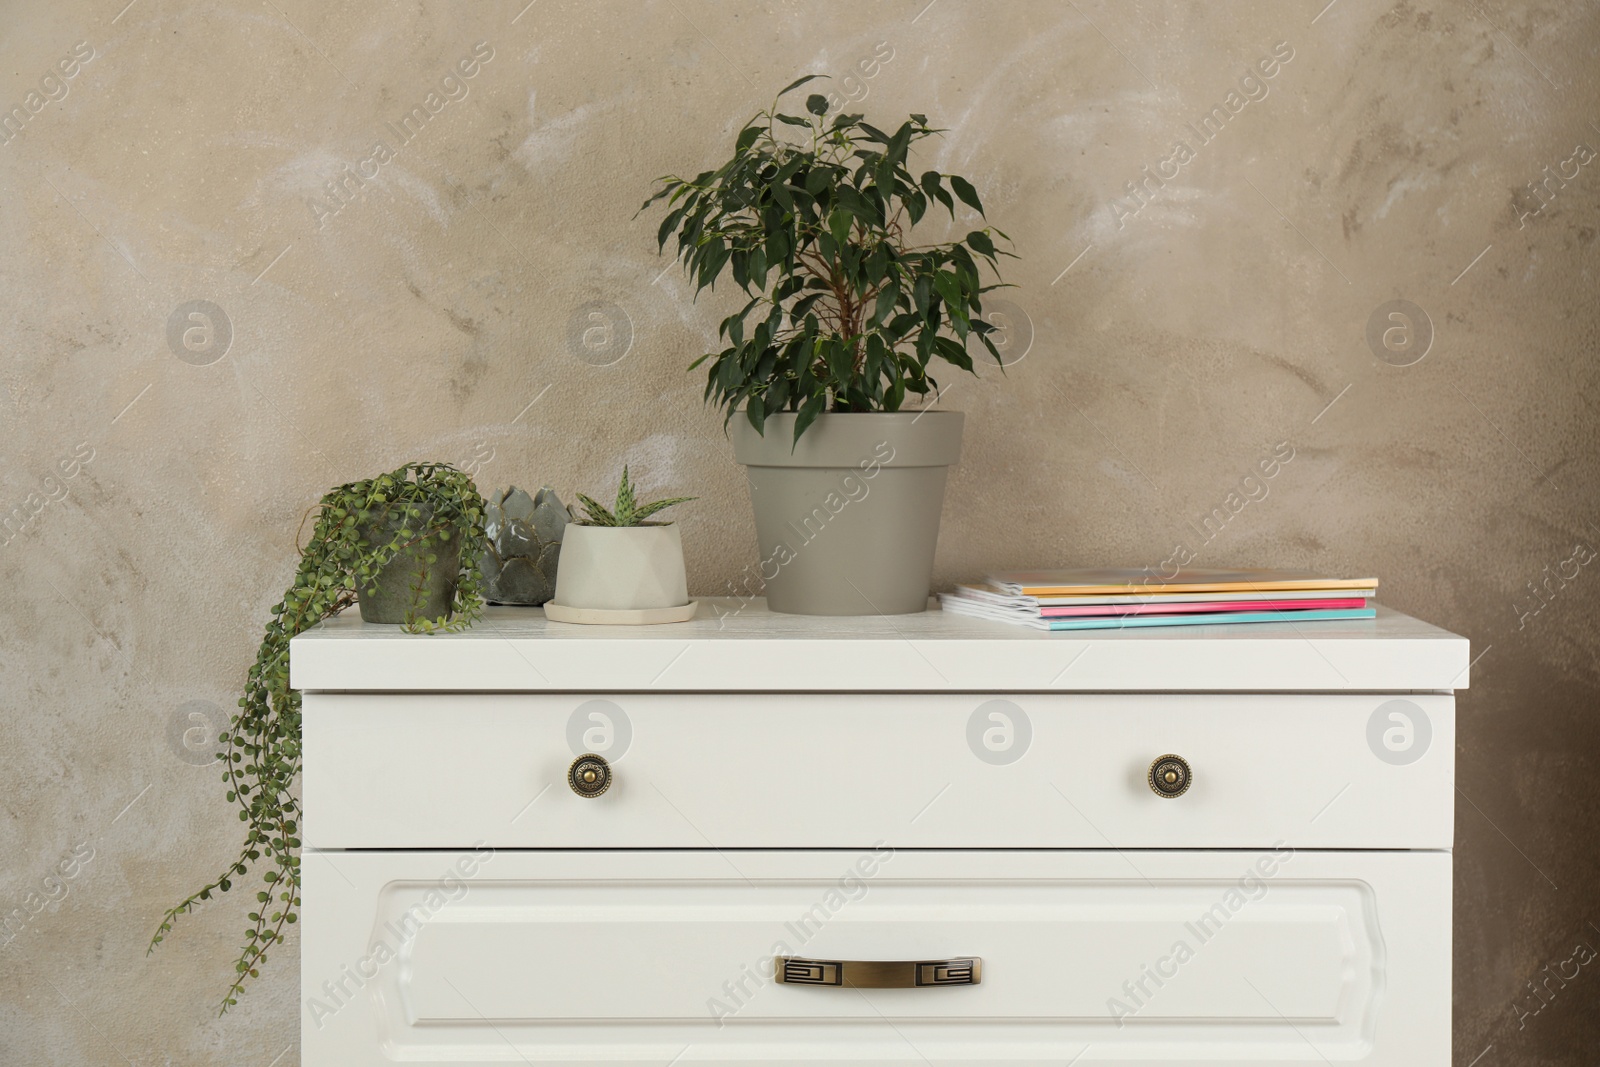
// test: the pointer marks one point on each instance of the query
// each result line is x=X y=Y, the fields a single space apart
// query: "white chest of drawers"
x=967 y=806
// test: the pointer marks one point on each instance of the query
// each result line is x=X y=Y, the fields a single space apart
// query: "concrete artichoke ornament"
x=523 y=546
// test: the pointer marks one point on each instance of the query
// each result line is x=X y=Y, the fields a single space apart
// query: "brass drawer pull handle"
x=878 y=974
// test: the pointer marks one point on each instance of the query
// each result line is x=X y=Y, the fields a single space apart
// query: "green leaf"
x=808 y=414
x=916 y=206
x=799 y=82
x=966 y=192
x=647 y=510
x=596 y=514
x=988 y=342
x=931 y=186
x=716 y=257
x=896 y=152
x=885 y=305
x=896 y=395
x=839 y=227
x=877 y=355
x=952 y=352
x=817 y=104
x=625 y=501
x=980 y=242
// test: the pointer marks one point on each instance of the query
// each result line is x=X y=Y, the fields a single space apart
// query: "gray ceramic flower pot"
x=522 y=546
x=848 y=518
x=397 y=586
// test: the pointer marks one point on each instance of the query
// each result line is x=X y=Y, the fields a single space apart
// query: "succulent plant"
x=523 y=546
x=628 y=511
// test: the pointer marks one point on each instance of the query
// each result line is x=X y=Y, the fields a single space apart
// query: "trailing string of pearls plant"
x=419 y=517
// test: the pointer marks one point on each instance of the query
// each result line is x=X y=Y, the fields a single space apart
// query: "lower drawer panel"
x=1269 y=957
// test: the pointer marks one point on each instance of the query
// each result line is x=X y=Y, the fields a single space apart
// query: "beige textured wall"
x=439 y=311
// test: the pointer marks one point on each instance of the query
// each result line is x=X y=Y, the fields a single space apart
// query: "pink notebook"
x=1212 y=607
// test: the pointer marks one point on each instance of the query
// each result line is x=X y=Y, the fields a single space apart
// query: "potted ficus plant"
x=405 y=545
x=846 y=318
x=618 y=566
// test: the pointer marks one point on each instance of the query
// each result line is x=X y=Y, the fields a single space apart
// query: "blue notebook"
x=1228 y=619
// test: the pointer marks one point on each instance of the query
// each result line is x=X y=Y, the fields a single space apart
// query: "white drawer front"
x=840 y=770
x=1274 y=957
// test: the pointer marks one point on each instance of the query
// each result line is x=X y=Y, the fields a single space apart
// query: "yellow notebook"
x=1100 y=582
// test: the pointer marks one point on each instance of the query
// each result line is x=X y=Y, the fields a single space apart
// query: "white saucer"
x=620 y=616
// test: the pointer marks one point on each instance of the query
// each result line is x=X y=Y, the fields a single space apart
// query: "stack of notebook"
x=1115 y=599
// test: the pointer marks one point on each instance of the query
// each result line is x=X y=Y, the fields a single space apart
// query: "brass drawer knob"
x=589 y=775
x=1170 y=776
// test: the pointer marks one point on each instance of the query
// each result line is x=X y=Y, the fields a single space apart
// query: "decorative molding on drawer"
x=739 y=646
x=1176 y=957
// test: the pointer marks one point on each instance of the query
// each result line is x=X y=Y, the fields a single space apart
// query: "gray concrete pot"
x=848 y=518
x=398 y=587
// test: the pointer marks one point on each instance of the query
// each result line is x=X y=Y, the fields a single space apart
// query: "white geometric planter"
x=621 y=568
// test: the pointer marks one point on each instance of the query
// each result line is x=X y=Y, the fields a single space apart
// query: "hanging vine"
x=360 y=527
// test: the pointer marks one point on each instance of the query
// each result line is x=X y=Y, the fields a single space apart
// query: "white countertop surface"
x=735 y=645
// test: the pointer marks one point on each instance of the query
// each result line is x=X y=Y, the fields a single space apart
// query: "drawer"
x=440 y=770
x=1132 y=958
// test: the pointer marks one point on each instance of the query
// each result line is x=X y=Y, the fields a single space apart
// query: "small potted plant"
x=617 y=567
x=812 y=217
x=410 y=553
x=405 y=545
